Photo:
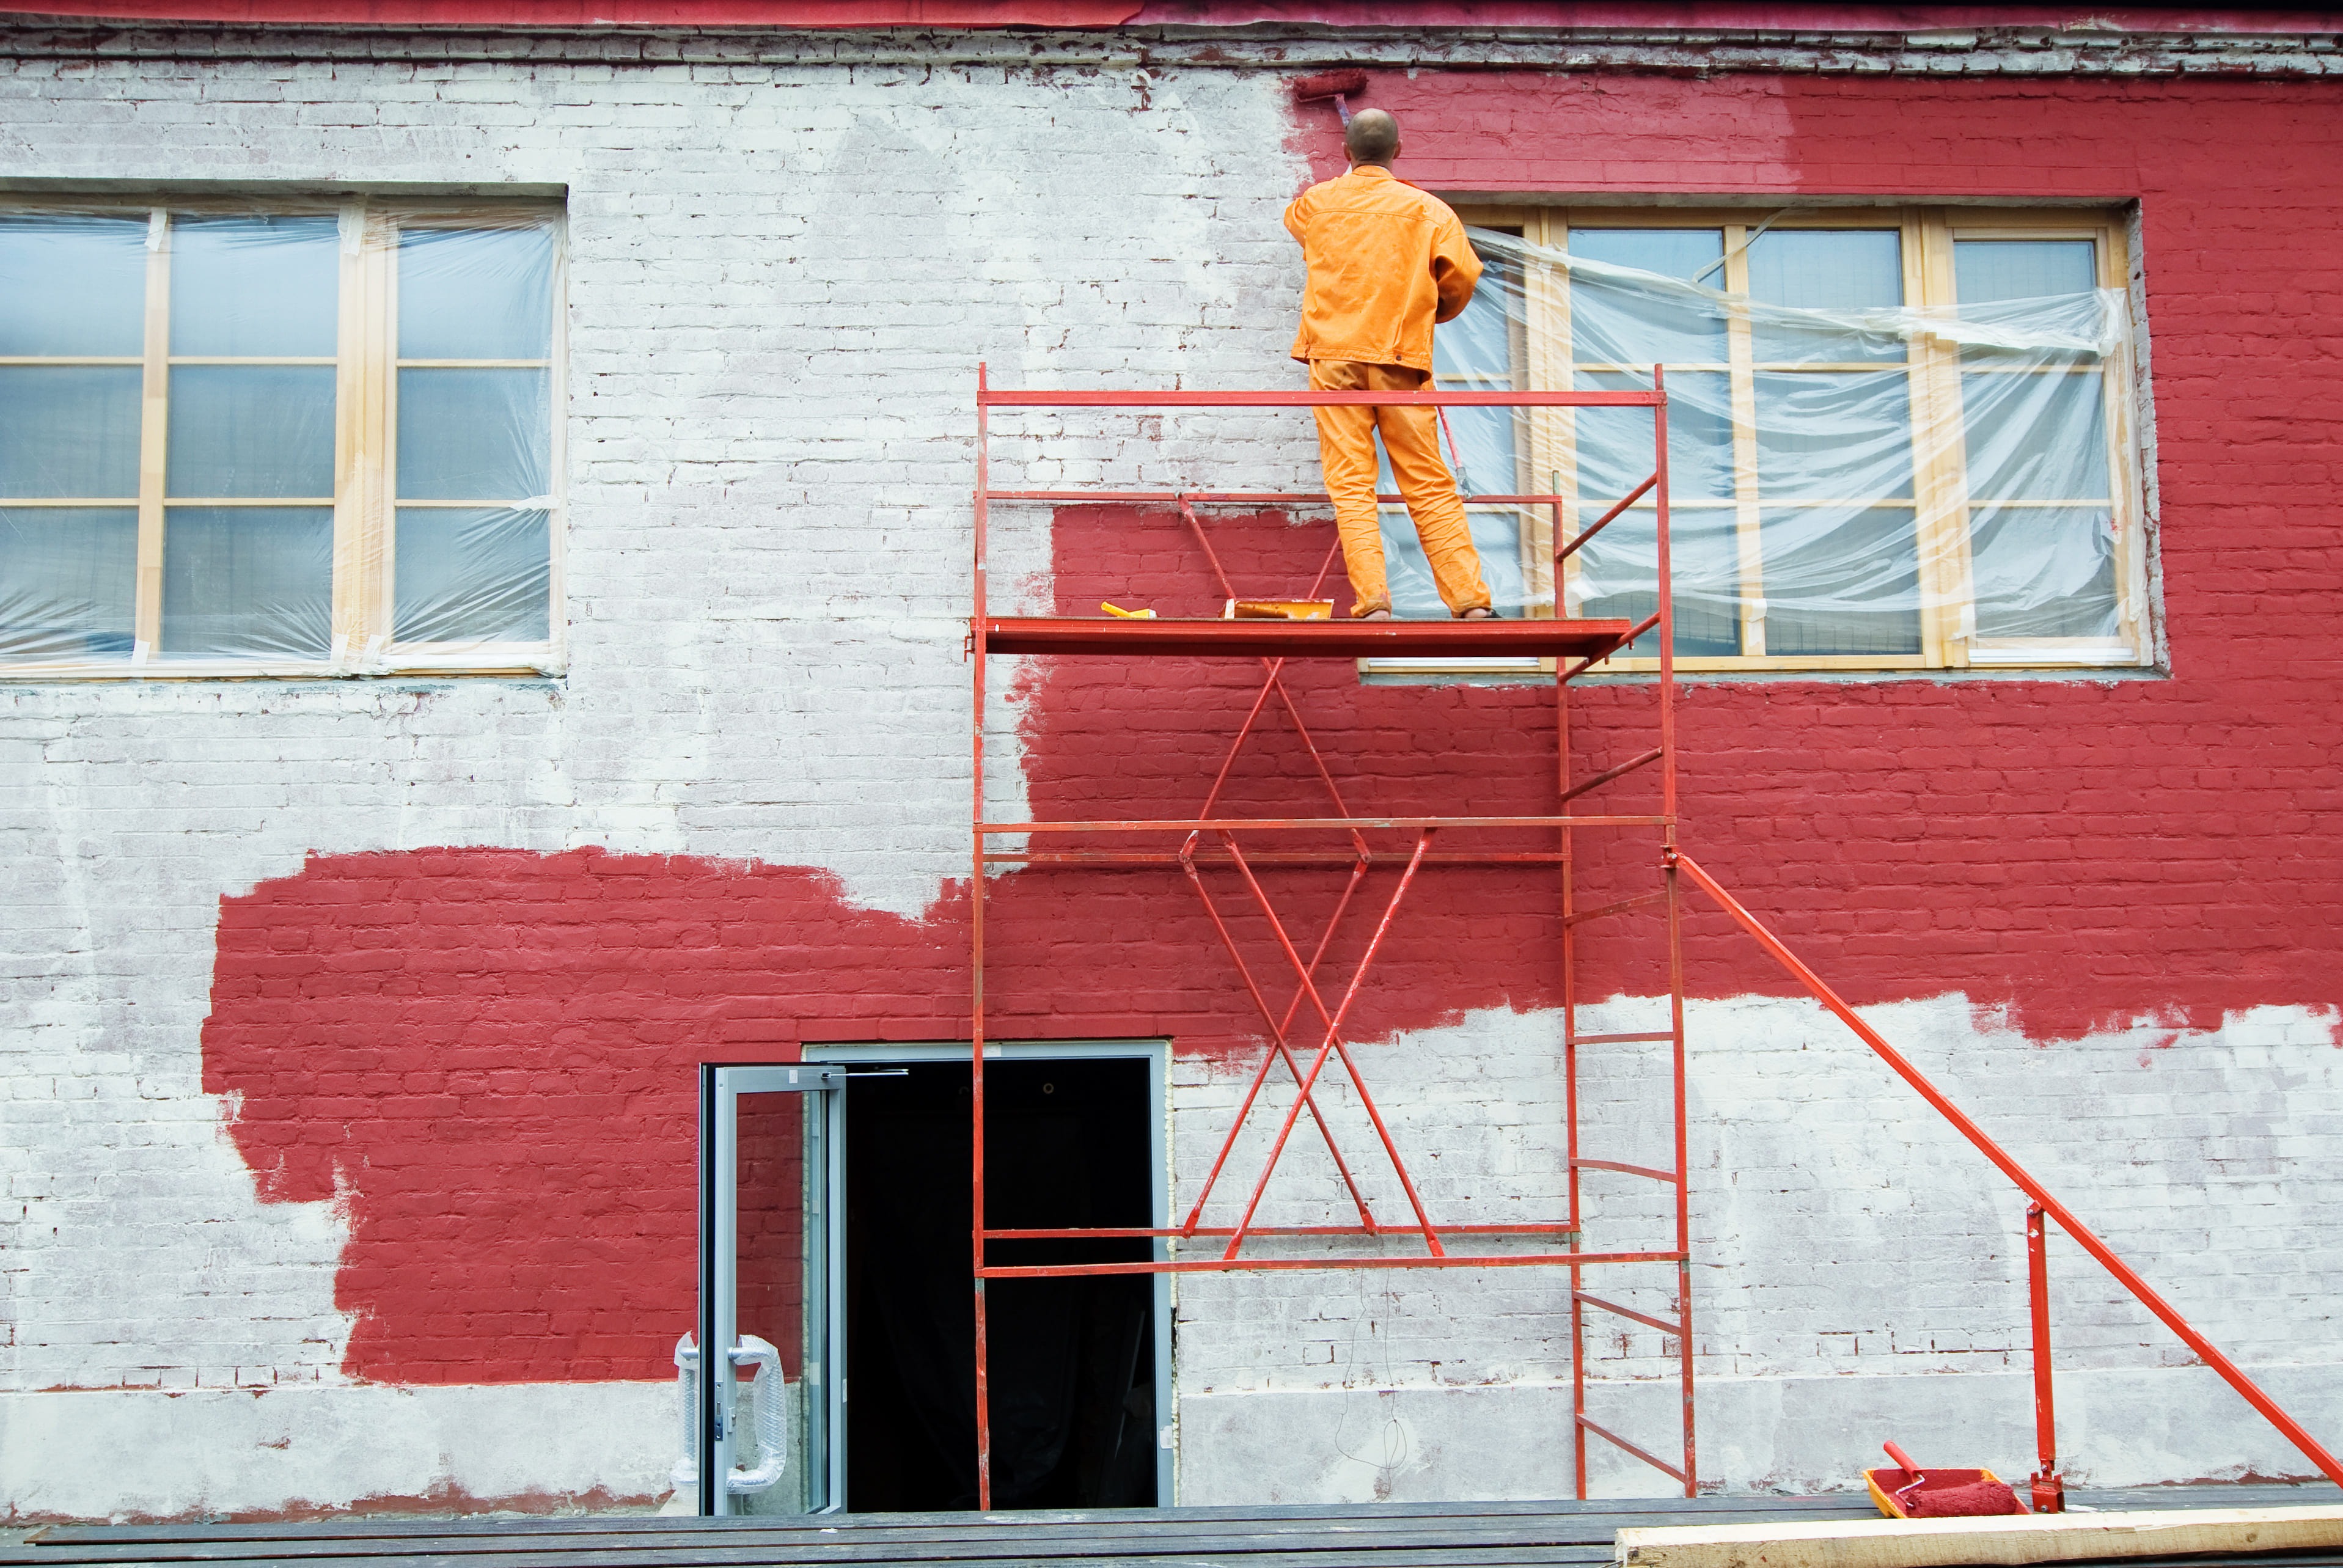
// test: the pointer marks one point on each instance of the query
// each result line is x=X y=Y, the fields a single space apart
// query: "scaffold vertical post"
x=976 y=953
x=1676 y=929
x=2050 y=1490
x=1570 y=1052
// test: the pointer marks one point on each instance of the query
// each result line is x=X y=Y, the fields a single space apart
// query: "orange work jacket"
x=1386 y=260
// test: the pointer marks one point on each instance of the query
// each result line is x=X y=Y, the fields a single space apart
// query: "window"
x=310 y=439
x=1897 y=439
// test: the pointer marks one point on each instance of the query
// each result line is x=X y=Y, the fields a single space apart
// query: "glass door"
x=770 y=1411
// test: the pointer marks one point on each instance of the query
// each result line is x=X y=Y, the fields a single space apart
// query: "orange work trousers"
x=1346 y=445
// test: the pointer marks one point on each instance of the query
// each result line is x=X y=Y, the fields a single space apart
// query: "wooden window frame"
x=1940 y=500
x=365 y=500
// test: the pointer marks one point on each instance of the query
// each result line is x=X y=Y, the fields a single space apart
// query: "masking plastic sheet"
x=1839 y=462
x=185 y=482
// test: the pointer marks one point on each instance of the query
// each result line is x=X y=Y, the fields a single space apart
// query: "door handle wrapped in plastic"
x=772 y=1418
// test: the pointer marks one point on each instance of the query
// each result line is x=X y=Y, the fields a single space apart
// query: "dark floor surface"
x=1378 y=1536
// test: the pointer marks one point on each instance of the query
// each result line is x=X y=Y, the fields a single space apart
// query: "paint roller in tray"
x=1341 y=87
x=1911 y=1492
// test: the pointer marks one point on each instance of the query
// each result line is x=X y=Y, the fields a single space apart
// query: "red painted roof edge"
x=1742 y=17
x=1691 y=15
x=564 y=16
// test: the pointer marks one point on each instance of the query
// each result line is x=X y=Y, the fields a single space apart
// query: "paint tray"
x=1279 y=609
x=1885 y=1482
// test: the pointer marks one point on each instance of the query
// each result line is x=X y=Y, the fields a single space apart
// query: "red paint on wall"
x=487 y=1054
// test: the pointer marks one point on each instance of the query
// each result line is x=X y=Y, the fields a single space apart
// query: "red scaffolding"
x=1221 y=840
x=1574 y=646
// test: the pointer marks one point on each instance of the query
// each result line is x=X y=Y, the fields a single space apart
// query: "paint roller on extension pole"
x=1341 y=87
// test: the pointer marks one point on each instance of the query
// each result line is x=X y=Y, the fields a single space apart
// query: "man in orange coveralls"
x=1386 y=261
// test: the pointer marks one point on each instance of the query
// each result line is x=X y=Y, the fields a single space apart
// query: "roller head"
x=1975 y=1499
x=1332 y=85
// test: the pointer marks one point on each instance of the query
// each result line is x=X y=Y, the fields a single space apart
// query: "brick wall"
x=349 y=1051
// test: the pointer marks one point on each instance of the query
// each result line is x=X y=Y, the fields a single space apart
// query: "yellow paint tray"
x=1279 y=609
x=1884 y=1495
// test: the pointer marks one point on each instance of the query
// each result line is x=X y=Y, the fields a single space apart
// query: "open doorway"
x=1079 y=1380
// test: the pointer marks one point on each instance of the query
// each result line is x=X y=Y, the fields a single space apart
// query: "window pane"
x=2037 y=436
x=1840 y=581
x=68 y=576
x=2043 y=571
x=256 y=430
x=1843 y=269
x=1990 y=269
x=475 y=294
x=1619 y=571
x=472 y=435
x=73 y=284
x=1615 y=445
x=1834 y=435
x=69 y=431
x=1496 y=533
x=1684 y=252
x=254 y=285
x=248 y=582
x=1612 y=323
x=473 y=575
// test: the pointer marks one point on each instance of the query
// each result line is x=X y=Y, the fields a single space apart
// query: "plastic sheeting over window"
x=475 y=416
x=1856 y=479
x=319 y=440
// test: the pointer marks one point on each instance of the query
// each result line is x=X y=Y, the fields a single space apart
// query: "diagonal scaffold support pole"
x=1334 y=1042
x=2068 y=1222
x=1279 y=1047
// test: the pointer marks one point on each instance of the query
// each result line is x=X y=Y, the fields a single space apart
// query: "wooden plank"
x=2022 y=1538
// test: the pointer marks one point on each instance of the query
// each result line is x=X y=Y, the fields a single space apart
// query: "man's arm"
x=1455 y=269
x=1296 y=218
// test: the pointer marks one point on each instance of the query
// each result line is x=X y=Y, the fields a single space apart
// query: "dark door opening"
x=1072 y=1360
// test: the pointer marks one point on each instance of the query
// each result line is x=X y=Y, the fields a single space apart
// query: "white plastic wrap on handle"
x=686 y=1474
x=772 y=1428
x=772 y=1424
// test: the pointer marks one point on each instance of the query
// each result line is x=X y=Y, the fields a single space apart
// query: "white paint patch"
x=125 y=1455
x=1798 y=1435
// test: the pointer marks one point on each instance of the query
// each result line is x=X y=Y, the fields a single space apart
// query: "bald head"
x=1372 y=138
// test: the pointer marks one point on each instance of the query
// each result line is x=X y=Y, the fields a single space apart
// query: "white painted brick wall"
x=782 y=278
